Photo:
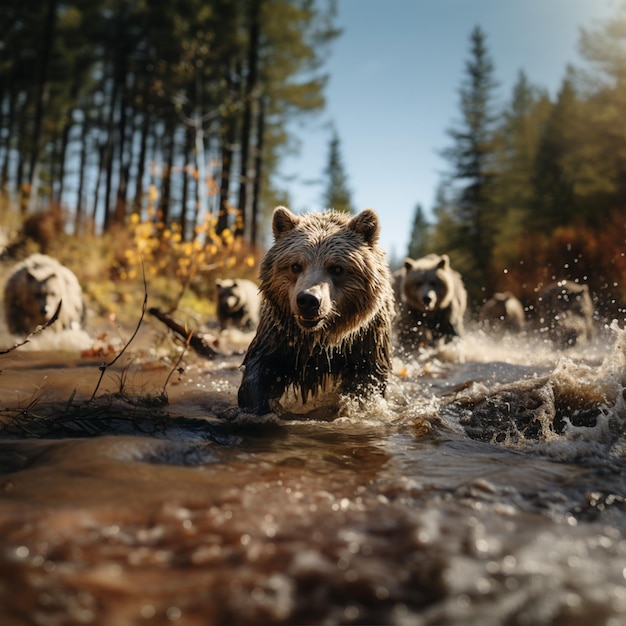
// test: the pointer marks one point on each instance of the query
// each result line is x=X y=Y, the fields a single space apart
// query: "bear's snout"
x=308 y=304
x=311 y=307
x=430 y=300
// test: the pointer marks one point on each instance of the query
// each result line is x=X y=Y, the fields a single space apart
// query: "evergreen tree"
x=602 y=152
x=419 y=234
x=337 y=194
x=553 y=180
x=517 y=141
x=472 y=157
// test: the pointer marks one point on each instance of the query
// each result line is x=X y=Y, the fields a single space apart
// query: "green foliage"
x=537 y=191
x=418 y=244
x=128 y=94
x=337 y=194
x=472 y=160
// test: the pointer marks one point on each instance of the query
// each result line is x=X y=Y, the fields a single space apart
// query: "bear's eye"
x=296 y=268
x=335 y=270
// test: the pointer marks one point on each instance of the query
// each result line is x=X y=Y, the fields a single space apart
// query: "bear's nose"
x=308 y=304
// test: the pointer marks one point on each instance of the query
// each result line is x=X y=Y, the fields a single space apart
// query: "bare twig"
x=103 y=368
x=177 y=364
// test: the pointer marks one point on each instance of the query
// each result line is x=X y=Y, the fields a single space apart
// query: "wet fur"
x=420 y=323
x=238 y=303
x=350 y=348
x=566 y=312
x=33 y=291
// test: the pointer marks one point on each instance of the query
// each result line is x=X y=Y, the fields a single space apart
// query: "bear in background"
x=327 y=312
x=431 y=301
x=502 y=313
x=565 y=312
x=238 y=303
x=32 y=294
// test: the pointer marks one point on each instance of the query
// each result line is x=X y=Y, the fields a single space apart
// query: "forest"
x=108 y=103
x=536 y=191
x=140 y=135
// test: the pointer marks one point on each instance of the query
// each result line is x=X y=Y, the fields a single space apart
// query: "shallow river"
x=487 y=488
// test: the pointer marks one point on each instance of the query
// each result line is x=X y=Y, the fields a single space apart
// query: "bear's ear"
x=218 y=283
x=366 y=225
x=283 y=221
x=409 y=264
x=444 y=263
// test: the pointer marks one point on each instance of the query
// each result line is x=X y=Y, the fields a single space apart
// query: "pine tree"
x=518 y=139
x=472 y=158
x=337 y=194
x=419 y=234
x=553 y=180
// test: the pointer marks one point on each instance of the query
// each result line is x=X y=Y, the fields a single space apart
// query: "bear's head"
x=427 y=284
x=45 y=292
x=325 y=274
x=229 y=297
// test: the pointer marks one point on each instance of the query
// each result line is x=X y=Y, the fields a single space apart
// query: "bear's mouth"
x=308 y=322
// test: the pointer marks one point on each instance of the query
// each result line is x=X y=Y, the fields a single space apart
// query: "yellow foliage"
x=160 y=248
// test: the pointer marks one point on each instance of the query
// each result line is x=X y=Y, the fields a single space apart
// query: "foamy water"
x=486 y=488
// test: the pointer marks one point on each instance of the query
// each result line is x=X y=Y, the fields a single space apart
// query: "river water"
x=486 y=488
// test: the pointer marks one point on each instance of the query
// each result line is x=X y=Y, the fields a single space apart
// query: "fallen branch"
x=203 y=344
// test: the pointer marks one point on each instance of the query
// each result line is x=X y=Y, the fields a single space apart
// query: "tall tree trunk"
x=141 y=160
x=228 y=140
x=65 y=137
x=107 y=158
x=79 y=211
x=184 y=218
x=47 y=42
x=20 y=179
x=102 y=148
x=246 y=128
x=124 y=154
x=258 y=172
x=10 y=120
x=166 y=186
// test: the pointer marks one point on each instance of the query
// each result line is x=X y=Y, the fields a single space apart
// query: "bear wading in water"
x=503 y=313
x=327 y=313
x=238 y=303
x=566 y=312
x=431 y=301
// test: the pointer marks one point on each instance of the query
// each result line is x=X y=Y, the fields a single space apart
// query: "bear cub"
x=327 y=312
x=238 y=303
x=431 y=301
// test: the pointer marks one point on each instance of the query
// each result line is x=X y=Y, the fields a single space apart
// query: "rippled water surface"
x=487 y=488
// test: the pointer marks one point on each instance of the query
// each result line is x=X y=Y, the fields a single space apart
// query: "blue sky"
x=395 y=74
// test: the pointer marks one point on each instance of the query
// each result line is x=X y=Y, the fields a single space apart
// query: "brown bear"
x=431 y=301
x=566 y=313
x=238 y=303
x=327 y=312
x=503 y=313
x=33 y=291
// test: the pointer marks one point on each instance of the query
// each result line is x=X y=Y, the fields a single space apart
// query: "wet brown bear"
x=238 y=303
x=34 y=291
x=328 y=309
x=566 y=312
x=503 y=313
x=431 y=302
